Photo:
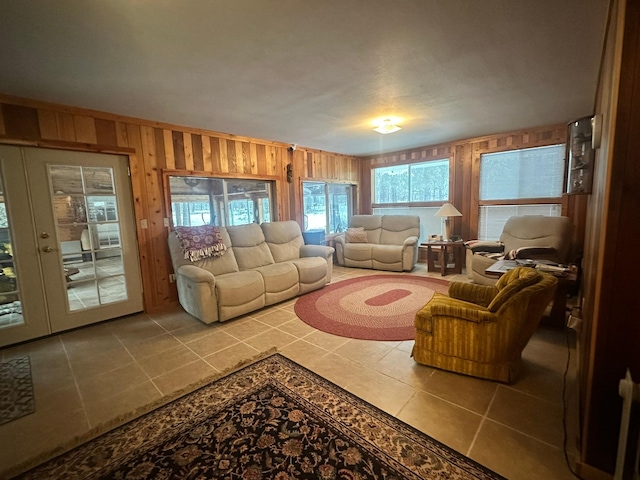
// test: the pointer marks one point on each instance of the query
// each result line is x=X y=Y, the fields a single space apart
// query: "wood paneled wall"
x=611 y=301
x=465 y=156
x=153 y=147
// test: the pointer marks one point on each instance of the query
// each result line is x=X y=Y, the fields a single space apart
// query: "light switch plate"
x=144 y=223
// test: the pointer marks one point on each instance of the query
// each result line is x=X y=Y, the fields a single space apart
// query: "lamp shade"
x=448 y=210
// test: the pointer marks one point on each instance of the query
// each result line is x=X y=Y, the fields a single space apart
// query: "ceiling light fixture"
x=386 y=125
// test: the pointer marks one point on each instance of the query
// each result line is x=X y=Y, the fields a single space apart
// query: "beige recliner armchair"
x=527 y=236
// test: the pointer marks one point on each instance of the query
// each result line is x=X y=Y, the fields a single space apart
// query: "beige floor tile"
x=34 y=434
x=247 y=328
x=468 y=392
x=406 y=346
x=107 y=384
x=81 y=347
x=382 y=391
x=399 y=365
x=337 y=369
x=297 y=328
x=528 y=414
x=270 y=339
x=110 y=407
x=166 y=361
x=88 y=366
x=448 y=423
x=303 y=352
x=326 y=340
x=152 y=346
x=275 y=317
x=517 y=456
x=63 y=398
x=174 y=320
x=218 y=340
x=131 y=330
x=46 y=350
x=366 y=352
x=184 y=376
x=196 y=330
x=231 y=357
x=539 y=381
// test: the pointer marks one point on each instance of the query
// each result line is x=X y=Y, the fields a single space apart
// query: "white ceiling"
x=313 y=73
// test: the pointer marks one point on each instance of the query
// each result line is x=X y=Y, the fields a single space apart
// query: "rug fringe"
x=127 y=417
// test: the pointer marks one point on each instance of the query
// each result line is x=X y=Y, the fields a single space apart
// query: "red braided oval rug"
x=375 y=307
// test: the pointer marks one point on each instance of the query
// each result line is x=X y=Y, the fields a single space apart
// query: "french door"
x=68 y=251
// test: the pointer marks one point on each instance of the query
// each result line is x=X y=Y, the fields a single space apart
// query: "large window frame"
x=220 y=207
x=547 y=205
x=330 y=224
x=429 y=223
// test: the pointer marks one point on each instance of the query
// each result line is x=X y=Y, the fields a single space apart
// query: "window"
x=418 y=182
x=327 y=206
x=519 y=182
x=414 y=189
x=215 y=201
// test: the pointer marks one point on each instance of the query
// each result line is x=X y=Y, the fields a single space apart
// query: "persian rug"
x=16 y=389
x=375 y=307
x=270 y=420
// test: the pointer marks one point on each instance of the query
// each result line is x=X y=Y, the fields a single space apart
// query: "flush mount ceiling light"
x=386 y=125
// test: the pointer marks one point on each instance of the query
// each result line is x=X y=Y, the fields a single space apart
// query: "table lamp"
x=447 y=210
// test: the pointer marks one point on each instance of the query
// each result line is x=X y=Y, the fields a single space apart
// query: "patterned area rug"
x=375 y=307
x=271 y=420
x=16 y=389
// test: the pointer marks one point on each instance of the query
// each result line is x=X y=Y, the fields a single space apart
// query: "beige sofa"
x=523 y=237
x=391 y=243
x=264 y=264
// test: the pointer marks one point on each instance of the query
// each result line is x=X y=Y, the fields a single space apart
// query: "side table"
x=441 y=251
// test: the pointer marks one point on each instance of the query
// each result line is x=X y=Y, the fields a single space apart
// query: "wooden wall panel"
x=153 y=147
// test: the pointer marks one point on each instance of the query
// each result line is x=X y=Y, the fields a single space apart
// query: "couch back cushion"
x=397 y=228
x=372 y=225
x=250 y=246
x=538 y=231
x=284 y=239
x=216 y=265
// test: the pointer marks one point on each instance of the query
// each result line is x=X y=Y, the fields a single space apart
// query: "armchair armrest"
x=340 y=239
x=316 y=251
x=484 y=246
x=196 y=274
x=471 y=292
x=548 y=253
x=460 y=310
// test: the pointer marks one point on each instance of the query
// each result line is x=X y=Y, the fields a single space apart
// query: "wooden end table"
x=442 y=250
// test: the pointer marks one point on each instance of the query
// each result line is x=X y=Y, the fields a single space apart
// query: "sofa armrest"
x=197 y=274
x=410 y=241
x=340 y=239
x=471 y=292
x=484 y=246
x=455 y=309
x=316 y=251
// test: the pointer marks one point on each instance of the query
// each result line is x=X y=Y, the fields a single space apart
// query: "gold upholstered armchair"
x=481 y=330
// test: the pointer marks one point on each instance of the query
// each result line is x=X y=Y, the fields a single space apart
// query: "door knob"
x=44 y=235
x=46 y=248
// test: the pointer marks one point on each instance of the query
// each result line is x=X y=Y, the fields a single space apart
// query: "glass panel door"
x=89 y=254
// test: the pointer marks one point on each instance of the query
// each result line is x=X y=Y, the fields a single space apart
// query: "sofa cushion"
x=387 y=253
x=356 y=235
x=357 y=251
x=279 y=276
x=310 y=269
x=397 y=228
x=284 y=239
x=250 y=247
x=239 y=288
x=371 y=224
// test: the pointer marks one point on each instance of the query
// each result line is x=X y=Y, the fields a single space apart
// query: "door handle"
x=47 y=249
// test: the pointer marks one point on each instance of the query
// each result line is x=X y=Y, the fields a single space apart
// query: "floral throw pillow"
x=356 y=235
x=200 y=242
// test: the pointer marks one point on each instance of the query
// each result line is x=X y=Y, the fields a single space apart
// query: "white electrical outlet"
x=172 y=278
x=166 y=222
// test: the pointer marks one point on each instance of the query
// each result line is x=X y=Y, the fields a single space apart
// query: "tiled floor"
x=89 y=376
